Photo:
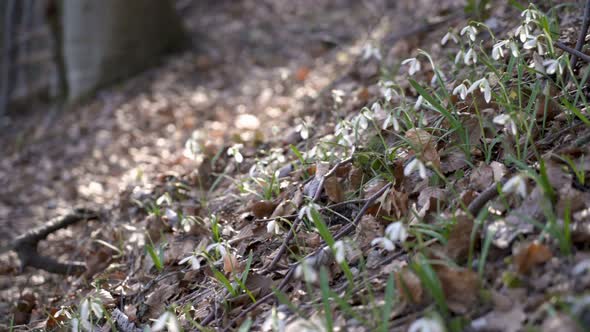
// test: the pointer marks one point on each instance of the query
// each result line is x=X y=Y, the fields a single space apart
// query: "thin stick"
x=582 y=36
x=573 y=52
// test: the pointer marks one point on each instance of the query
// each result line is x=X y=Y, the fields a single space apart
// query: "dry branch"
x=25 y=245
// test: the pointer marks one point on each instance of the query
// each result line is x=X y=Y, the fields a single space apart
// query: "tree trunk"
x=107 y=40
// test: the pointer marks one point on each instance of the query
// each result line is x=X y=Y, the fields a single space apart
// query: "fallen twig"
x=487 y=195
x=25 y=245
x=573 y=52
x=581 y=36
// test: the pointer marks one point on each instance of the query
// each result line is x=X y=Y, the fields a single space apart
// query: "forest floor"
x=288 y=173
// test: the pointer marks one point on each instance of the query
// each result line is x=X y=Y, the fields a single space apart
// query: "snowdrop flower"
x=507 y=121
x=437 y=74
x=414 y=65
x=306 y=270
x=529 y=15
x=219 y=247
x=415 y=164
x=273 y=227
x=425 y=324
x=418 y=102
x=303 y=129
x=552 y=66
x=193 y=260
x=471 y=32
x=384 y=243
x=391 y=118
x=497 y=49
x=449 y=36
x=484 y=86
x=387 y=90
x=459 y=56
x=235 y=152
x=461 y=90
x=522 y=31
x=515 y=185
x=514 y=49
x=396 y=232
x=88 y=306
x=470 y=57
x=337 y=95
x=371 y=51
x=306 y=211
x=362 y=120
x=533 y=42
x=168 y=320
x=340 y=248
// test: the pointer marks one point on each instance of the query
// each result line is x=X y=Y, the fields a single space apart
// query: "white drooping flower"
x=529 y=15
x=414 y=65
x=306 y=211
x=470 y=57
x=471 y=32
x=514 y=49
x=384 y=243
x=219 y=247
x=371 y=51
x=449 y=36
x=338 y=96
x=273 y=227
x=484 y=86
x=340 y=249
x=391 y=118
x=553 y=66
x=425 y=324
x=168 y=320
x=507 y=121
x=235 y=152
x=307 y=270
x=89 y=307
x=498 y=49
x=193 y=260
x=522 y=32
x=415 y=165
x=396 y=232
x=517 y=185
x=458 y=56
x=460 y=90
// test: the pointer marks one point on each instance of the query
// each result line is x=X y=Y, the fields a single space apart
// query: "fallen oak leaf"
x=530 y=255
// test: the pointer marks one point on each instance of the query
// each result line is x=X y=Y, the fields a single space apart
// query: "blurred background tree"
x=66 y=49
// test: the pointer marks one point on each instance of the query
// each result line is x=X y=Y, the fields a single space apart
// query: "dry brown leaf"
x=262 y=209
x=431 y=197
x=355 y=178
x=482 y=177
x=461 y=287
x=302 y=73
x=499 y=170
x=457 y=247
x=530 y=255
x=367 y=230
x=231 y=264
x=409 y=286
x=334 y=189
x=452 y=160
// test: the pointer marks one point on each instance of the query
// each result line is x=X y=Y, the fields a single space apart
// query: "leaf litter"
x=254 y=201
